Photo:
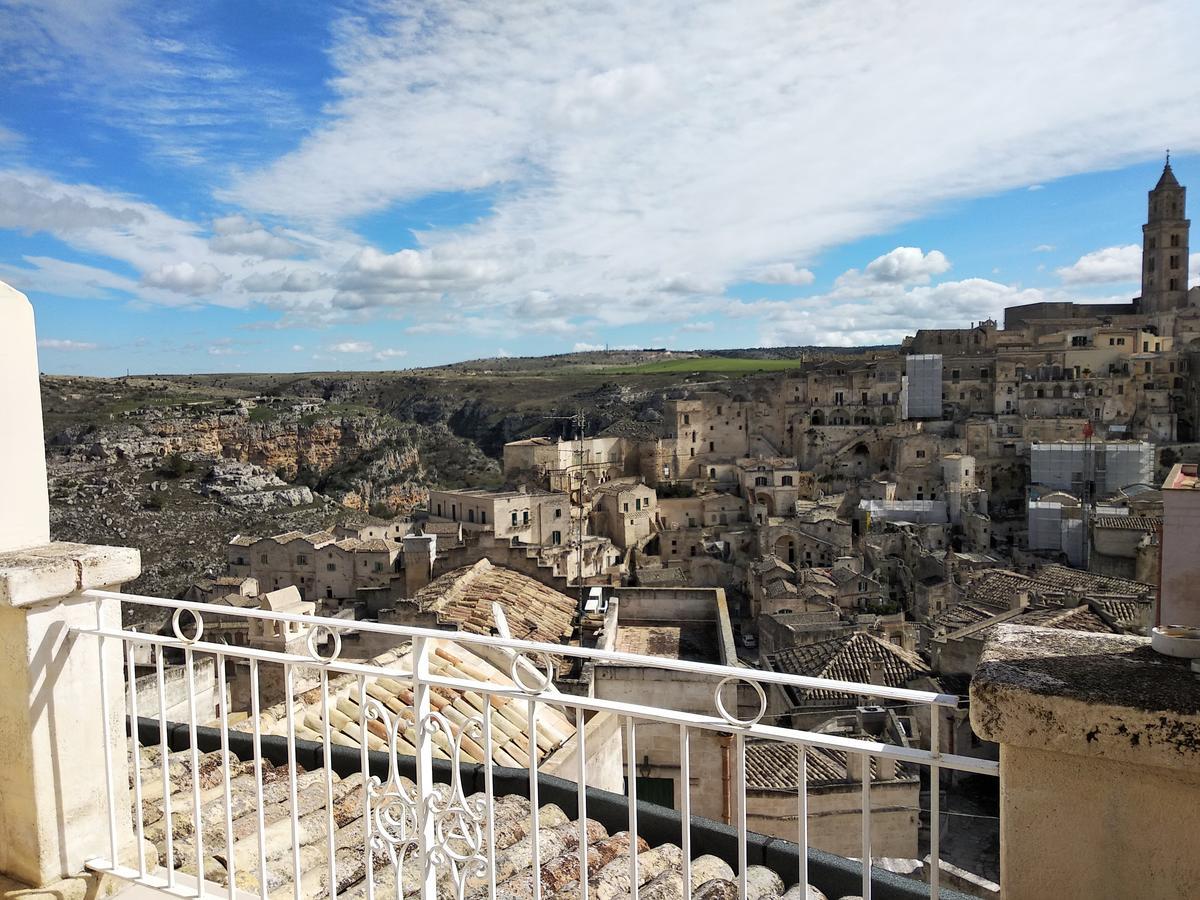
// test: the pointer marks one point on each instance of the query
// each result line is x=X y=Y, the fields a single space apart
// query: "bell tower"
x=1165 y=246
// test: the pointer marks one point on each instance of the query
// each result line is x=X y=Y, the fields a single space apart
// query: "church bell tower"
x=1165 y=246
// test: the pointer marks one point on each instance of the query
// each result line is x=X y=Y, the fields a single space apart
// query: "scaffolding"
x=1094 y=468
x=922 y=386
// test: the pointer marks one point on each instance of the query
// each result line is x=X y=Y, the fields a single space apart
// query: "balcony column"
x=1099 y=764
x=53 y=801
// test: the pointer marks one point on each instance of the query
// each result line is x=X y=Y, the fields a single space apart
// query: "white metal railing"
x=438 y=829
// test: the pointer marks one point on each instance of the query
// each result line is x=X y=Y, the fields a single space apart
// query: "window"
x=263 y=558
x=1174 y=240
x=760 y=481
x=1174 y=261
x=1173 y=284
x=301 y=559
x=687 y=420
x=691 y=451
x=439 y=510
x=625 y=508
x=1153 y=243
x=954 y=374
x=470 y=515
x=1145 y=346
x=525 y=517
x=378 y=567
x=786 y=481
x=711 y=446
x=454 y=511
x=718 y=410
x=712 y=473
x=483 y=517
x=558 y=513
x=920 y=454
x=556 y=537
x=330 y=567
x=1120 y=388
x=864 y=398
x=514 y=517
x=637 y=503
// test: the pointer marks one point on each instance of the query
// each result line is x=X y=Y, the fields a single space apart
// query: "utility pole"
x=580 y=423
x=1089 y=470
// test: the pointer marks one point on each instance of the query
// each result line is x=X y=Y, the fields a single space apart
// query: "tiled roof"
x=287 y=537
x=773 y=766
x=964 y=615
x=464 y=597
x=847 y=658
x=1125 y=610
x=510 y=723
x=1129 y=523
x=1077 y=618
x=660 y=869
x=997 y=588
x=241 y=540
x=440 y=528
x=1059 y=577
x=378 y=545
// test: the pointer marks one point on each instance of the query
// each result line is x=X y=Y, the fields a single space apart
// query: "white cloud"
x=502 y=353
x=185 y=278
x=351 y=347
x=630 y=168
x=783 y=273
x=585 y=347
x=294 y=280
x=697 y=327
x=296 y=348
x=1043 y=248
x=907 y=265
x=48 y=275
x=66 y=345
x=9 y=138
x=389 y=353
x=1036 y=187
x=1111 y=264
x=628 y=178
x=237 y=234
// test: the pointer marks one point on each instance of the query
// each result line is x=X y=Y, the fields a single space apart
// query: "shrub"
x=174 y=465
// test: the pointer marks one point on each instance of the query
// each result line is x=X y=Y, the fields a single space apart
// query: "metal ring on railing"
x=545 y=673
x=178 y=629
x=734 y=720
x=313 y=650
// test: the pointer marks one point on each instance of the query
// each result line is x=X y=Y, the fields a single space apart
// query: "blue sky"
x=275 y=186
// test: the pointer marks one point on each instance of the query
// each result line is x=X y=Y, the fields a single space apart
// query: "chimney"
x=875 y=668
x=854 y=766
x=420 y=551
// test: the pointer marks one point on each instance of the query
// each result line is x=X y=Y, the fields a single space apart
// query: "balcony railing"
x=433 y=835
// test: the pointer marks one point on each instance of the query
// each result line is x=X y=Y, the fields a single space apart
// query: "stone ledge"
x=1086 y=694
x=49 y=571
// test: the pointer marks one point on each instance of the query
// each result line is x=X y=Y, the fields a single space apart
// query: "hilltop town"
x=869 y=515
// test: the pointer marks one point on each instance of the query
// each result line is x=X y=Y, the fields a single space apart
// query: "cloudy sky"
x=290 y=186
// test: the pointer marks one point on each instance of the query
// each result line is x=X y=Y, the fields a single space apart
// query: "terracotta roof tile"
x=534 y=611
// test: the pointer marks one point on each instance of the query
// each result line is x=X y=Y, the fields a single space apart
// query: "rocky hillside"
x=178 y=465
x=147 y=464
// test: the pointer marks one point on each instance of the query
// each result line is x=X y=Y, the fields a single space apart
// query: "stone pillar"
x=53 y=801
x=1099 y=764
x=25 y=506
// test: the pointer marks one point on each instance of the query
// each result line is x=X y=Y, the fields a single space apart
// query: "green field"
x=734 y=365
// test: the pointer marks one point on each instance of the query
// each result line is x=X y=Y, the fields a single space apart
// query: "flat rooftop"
x=692 y=641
